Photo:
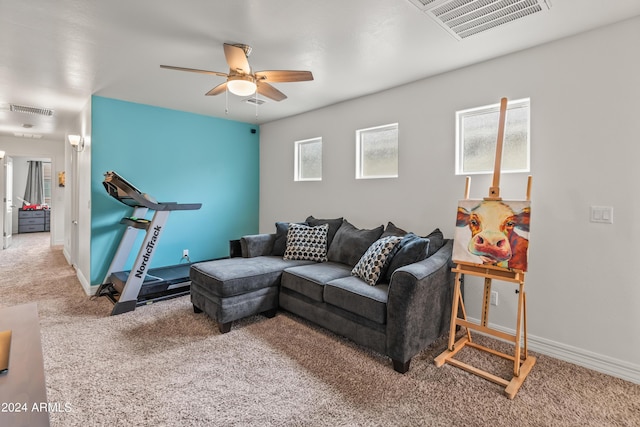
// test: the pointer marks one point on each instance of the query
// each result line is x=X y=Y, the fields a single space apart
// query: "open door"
x=7 y=209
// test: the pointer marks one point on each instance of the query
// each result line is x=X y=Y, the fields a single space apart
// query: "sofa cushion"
x=354 y=295
x=410 y=249
x=436 y=241
x=392 y=230
x=334 y=225
x=374 y=261
x=310 y=280
x=307 y=243
x=280 y=243
x=350 y=243
x=237 y=276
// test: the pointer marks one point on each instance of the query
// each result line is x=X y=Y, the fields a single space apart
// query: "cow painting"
x=493 y=232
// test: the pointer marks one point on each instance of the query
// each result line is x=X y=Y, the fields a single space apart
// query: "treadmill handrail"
x=114 y=181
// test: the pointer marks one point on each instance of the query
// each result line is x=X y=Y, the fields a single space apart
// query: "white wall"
x=582 y=291
x=41 y=148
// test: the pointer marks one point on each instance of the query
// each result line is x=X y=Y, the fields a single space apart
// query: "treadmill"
x=141 y=285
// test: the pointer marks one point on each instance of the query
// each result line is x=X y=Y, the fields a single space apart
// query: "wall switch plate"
x=602 y=214
x=494 y=298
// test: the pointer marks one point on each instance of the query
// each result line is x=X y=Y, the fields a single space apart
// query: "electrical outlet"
x=185 y=253
x=494 y=298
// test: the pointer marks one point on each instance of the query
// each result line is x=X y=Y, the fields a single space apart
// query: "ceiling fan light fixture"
x=241 y=85
x=243 y=82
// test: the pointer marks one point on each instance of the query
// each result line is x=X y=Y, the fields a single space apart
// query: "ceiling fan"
x=242 y=81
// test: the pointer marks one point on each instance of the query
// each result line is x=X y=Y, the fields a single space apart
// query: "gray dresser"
x=33 y=221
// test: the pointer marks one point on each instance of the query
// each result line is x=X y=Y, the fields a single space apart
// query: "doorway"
x=6 y=187
x=32 y=219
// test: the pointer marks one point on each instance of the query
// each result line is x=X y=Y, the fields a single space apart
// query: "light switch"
x=602 y=214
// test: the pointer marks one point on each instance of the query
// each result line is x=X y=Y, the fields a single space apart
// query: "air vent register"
x=466 y=18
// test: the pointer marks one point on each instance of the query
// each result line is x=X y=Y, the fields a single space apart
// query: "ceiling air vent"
x=466 y=18
x=422 y=3
x=30 y=110
x=27 y=135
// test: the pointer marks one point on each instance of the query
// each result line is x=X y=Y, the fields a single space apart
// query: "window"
x=377 y=152
x=477 y=133
x=46 y=173
x=308 y=160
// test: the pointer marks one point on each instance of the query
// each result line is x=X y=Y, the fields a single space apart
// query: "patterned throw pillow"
x=372 y=263
x=307 y=243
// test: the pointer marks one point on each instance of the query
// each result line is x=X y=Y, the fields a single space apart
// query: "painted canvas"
x=493 y=232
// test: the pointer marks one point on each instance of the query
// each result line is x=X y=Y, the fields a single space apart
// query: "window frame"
x=486 y=109
x=299 y=164
x=359 y=151
x=46 y=179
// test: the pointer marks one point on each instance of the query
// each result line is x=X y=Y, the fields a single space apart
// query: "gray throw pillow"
x=334 y=224
x=436 y=241
x=411 y=249
x=350 y=243
x=392 y=230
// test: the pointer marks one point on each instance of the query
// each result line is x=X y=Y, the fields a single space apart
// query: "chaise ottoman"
x=233 y=288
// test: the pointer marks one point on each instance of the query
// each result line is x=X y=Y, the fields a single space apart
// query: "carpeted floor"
x=163 y=365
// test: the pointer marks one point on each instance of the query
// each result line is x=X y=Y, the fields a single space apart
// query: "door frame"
x=6 y=185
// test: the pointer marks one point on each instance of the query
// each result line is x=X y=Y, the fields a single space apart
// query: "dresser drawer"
x=30 y=228
x=30 y=214
x=31 y=221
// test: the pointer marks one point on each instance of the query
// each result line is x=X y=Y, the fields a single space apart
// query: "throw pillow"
x=411 y=249
x=392 y=230
x=280 y=242
x=350 y=243
x=334 y=225
x=372 y=263
x=306 y=243
x=436 y=239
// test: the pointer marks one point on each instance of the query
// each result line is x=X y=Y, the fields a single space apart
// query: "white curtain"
x=34 y=192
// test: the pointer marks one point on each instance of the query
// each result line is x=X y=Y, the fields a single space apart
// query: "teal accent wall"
x=173 y=156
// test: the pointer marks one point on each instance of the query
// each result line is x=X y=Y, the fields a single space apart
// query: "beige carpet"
x=163 y=365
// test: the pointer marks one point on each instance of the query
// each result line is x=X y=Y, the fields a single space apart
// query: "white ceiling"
x=56 y=54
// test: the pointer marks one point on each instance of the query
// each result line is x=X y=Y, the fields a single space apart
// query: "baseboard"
x=86 y=285
x=66 y=254
x=578 y=356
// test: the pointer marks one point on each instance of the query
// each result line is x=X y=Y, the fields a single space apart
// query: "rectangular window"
x=477 y=134
x=377 y=152
x=46 y=174
x=308 y=160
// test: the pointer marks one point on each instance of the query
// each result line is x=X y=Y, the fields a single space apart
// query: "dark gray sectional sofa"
x=400 y=314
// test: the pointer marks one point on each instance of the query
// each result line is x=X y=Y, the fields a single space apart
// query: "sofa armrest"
x=419 y=304
x=254 y=245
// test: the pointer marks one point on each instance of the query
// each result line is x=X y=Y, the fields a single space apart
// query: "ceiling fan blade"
x=270 y=92
x=237 y=59
x=275 y=76
x=194 y=70
x=217 y=90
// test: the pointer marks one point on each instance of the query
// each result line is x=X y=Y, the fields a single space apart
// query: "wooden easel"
x=522 y=362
